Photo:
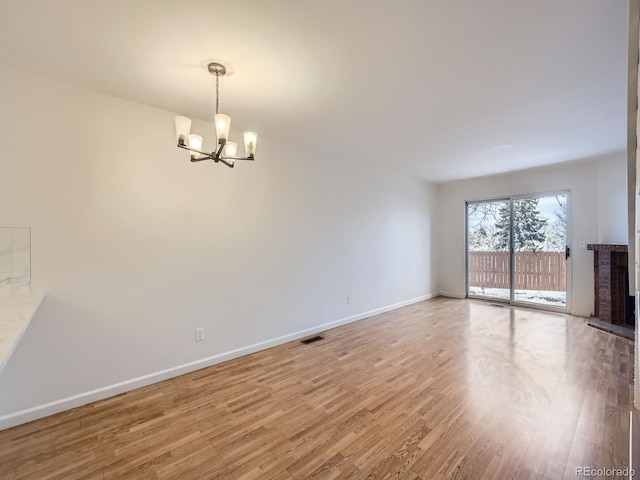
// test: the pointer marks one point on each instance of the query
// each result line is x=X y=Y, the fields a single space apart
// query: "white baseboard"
x=57 y=406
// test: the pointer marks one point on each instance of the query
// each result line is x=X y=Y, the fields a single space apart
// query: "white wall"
x=597 y=213
x=613 y=219
x=136 y=247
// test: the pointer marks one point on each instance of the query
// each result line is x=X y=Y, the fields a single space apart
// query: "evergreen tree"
x=503 y=228
x=528 y=226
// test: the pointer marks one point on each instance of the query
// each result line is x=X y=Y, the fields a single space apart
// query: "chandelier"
x=226 y=151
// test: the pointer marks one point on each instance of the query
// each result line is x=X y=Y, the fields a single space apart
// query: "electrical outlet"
x=348 y=299
x=199 y=334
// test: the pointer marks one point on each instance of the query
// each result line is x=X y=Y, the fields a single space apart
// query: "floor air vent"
x=307 y=341
x=496 y=305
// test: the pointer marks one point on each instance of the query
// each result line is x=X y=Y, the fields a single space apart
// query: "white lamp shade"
x=183 y=127
x=223 y=124
x=230 y=149
x=195 y=141
x=250 y=142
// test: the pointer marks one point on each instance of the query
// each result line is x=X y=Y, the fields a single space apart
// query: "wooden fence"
x=533 y=270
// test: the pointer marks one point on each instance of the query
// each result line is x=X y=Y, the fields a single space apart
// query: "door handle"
x=567 y=252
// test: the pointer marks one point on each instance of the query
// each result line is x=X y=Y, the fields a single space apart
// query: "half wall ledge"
x=16 y=312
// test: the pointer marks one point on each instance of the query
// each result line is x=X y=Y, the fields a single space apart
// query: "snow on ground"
x=540 y=297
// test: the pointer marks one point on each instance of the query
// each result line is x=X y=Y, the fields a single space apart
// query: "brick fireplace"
x=610 y=271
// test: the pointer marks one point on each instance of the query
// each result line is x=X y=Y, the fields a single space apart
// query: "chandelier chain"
x=217 y=94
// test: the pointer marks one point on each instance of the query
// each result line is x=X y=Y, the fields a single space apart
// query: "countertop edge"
x=38 y=297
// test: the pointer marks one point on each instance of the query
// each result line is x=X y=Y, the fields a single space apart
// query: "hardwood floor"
x=441 y=389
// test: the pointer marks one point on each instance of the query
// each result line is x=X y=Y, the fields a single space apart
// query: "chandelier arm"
x=185 y=147
x=228 y=164
x=216 y=156
x=209 y=157
x=222 y=143
x=239 y=158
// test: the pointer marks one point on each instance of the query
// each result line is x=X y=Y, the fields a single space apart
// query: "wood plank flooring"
x=441 y=389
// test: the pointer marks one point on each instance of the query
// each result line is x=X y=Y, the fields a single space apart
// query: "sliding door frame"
x=466 y=249
x=511 y=300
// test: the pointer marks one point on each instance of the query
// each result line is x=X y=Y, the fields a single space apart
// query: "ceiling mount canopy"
x=226 y=150
x=217 y=69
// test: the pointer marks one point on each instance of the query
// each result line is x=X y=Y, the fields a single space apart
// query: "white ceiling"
x=440 y=89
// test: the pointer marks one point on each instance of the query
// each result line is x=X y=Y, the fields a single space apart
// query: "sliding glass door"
x=517 y=250
x=540 y=250
x=488 y=240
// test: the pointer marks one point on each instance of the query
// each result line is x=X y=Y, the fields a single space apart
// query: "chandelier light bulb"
x=183 y=127
x=195 y=142
x=250 y=142
x=223 y=124
x=230 y=149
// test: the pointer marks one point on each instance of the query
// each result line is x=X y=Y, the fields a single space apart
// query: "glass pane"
x=488 y=240
x=539 y=241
